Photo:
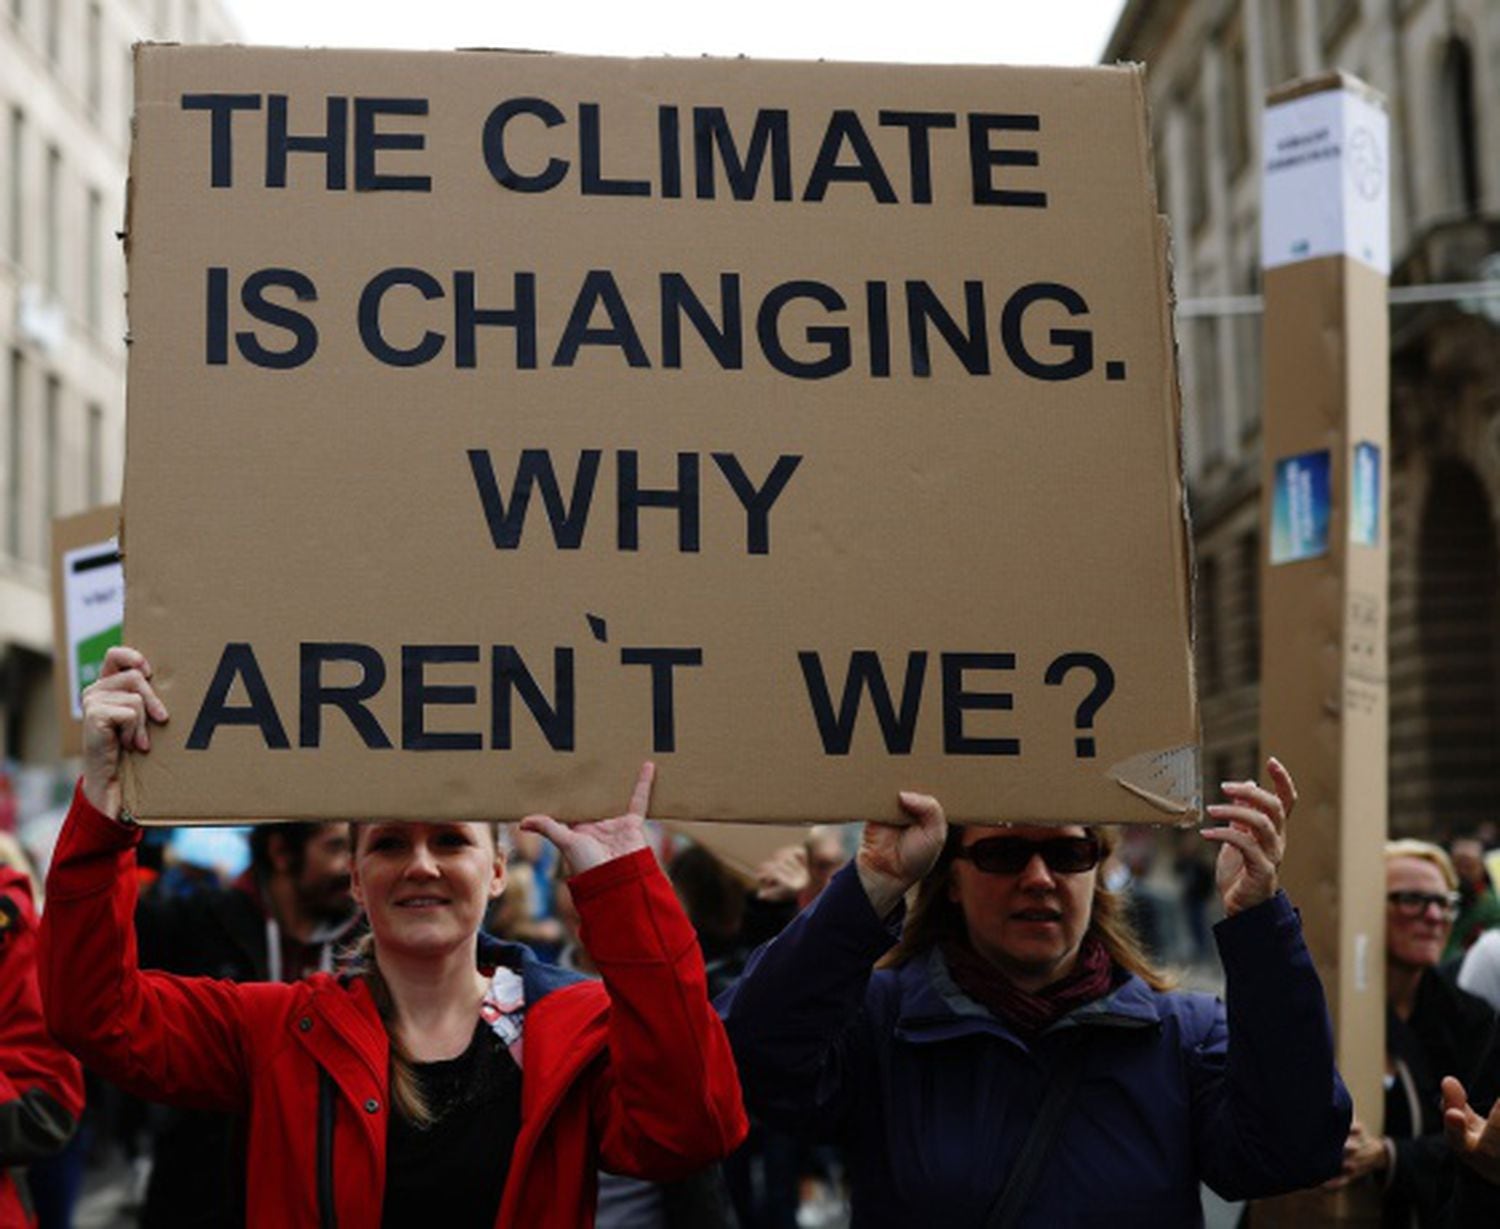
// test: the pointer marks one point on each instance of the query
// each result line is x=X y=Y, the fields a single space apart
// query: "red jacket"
x=41 y=1085
x=635 y=1074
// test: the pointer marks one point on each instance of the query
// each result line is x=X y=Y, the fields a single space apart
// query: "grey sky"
x=918 y=31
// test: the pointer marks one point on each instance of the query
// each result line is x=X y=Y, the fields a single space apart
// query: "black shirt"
x=457 y=1166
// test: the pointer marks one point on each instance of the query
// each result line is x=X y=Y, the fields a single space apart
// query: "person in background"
x=41 y=1085
x=517 y=916
x=1195 y=874
x=1433 y=1030
x=527 y=912
x=450 y=1076
x=285 y=917
x=1479 y=971
x=797 y=874
x=699 y=1201
x=1474 y=1140
x=778 y=1181
x=714 y=900
x=1478 y=907
x=1013 y=1058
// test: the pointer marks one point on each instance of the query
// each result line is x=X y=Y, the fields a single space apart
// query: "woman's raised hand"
x=118 y=709
x=602 y=840
x=892 y=857
x=1252 y=837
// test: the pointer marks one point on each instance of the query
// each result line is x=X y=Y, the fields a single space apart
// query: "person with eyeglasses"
x=1433 y=1030
x=1005 y=1054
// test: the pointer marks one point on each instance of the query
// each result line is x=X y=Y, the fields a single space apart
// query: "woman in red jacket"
x=41 y=1086
x=457 y=1081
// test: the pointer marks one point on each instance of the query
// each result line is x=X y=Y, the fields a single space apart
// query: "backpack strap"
x=1005 y=1212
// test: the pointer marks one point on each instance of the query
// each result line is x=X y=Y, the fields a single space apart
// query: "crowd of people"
x=411 y=1023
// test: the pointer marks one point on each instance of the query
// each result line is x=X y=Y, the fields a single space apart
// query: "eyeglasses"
x=1415 y=904
x=1010 y=855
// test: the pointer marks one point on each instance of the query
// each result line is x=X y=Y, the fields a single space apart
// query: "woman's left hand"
x=1363 y=1154
x=587 y=845
x=1252 y=839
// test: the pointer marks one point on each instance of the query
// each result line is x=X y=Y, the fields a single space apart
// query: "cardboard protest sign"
x=88 y=608
x=497 y=421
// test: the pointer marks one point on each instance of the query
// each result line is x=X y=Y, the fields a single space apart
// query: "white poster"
x=1326 y=180
x=94 y=603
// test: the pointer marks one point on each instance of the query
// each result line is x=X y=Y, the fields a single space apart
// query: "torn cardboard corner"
x=1168 y=780
x=814 y=433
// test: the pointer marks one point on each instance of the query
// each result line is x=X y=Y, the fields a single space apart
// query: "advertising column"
x=1325 y=250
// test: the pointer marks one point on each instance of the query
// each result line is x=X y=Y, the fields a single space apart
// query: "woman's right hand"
x=118 y=709
x=1475 y=1141
x=892 y=857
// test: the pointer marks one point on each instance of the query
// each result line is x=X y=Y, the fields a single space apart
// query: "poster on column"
x=499 y=421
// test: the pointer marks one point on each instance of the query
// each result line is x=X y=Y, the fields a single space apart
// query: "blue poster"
x=1299 y=513
x=1364 y=495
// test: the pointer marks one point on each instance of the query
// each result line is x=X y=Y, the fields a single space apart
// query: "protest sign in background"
x=88 y=608
x=497 y=421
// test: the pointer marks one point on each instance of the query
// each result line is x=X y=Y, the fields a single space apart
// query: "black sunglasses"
x=1010 y=855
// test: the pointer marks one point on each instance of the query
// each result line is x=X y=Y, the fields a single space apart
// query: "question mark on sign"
x=1104 y=686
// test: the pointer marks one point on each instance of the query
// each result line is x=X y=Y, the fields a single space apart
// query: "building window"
x=52 y=428
x=1283 y=60
x=94 y=459
x=52 y=224
x=1210 y=660
x=1197 y=160
x=14 y=439
x=1237 y=101
x=1247 y=344
x=1458 y=629
x=1249 y=587
x=1206 y=382
x=53 y=30
x=95 y=66
x=1460 y=122
x=17 y=236
x=93 y=255
x=1334 y=20
x=1223 y=770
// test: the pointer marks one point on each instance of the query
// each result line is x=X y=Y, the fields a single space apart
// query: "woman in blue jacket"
x=1014 y=1060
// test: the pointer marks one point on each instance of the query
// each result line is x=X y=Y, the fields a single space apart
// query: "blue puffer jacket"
x=933 y=1096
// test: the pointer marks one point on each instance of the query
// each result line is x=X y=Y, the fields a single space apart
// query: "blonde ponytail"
x=405 y=1089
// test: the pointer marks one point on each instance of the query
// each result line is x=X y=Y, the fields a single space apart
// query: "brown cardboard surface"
x=1323 y=689
x=742 y=847
x=93 y=527
x=938 y=506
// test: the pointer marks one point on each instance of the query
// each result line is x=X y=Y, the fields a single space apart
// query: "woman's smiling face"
x=425 y=886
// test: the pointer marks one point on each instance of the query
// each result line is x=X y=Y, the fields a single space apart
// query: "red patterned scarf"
x=1029 y=1013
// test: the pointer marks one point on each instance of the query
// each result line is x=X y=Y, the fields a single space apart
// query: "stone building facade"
x=1209 y=64
x=65 y=106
